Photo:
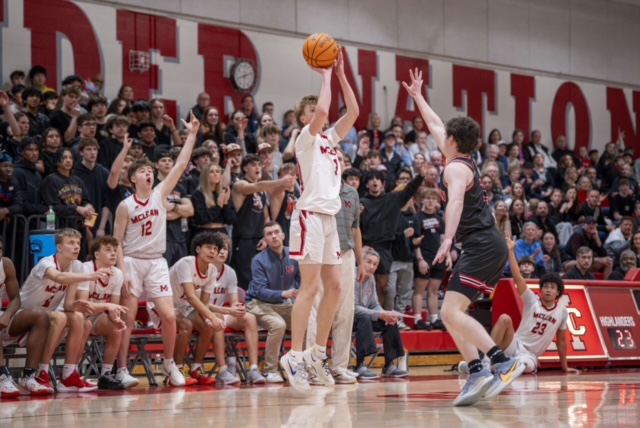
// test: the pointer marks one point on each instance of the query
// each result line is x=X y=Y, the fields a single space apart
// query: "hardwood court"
x=551 y=399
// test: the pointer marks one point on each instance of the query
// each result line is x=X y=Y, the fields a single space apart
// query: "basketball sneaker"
x=43 y=379
x=74 y=383
x=30 y=386
x=296 y=373
x=320 y=366
x=463 y=366
x=505 y=373
x=274 y=377
x=174 y=376
x=344 y=378
x=109 y=382
x=225 y=377
x=475 y=388
x=255 y=377
x=394 y=372
x=201 y=378
x=127 y=380
x=8 y=388
x=365 y=374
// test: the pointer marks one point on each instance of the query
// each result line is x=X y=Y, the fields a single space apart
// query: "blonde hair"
x=305 y=101
x=66 y=233
x=205 y=185
x=286 y=168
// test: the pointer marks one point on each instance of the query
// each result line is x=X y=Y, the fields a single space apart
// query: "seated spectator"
x=583 y=265
x=370 y=317
x=570 y=179
x=562 y=149
x=501 y=214
x=620 y=238
x=29 y=178
x=536 y=146
x=273 y=288
x=527 y=267
x=517 y=218
x=64 y=192
x=543 y=179
x=513 y=156
x=213 y=208
x=491 y=197
x=10 y=194
x=571 y=209
x=551 y=255
x=623 y=203
x=592 y=209
x=492 y=155
x=588 y=237
x=65 y=119
x=237 y=133
x=528 y=245
x=626 y=172
x=543 y=221
x=554 y=205
x=627 y=261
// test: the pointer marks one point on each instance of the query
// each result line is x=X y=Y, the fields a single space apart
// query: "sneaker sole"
x=474 y=397
x=13 y=394
x=283 y=364
x=131 y=384
x=499 y=386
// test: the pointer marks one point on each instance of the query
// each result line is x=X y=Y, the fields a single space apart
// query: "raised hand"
x=168 y=121
x=511 y=244
x=193 y=125
x=339 y=65
x=415 y=88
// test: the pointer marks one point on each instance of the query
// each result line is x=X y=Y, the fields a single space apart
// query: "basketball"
x=320 y=50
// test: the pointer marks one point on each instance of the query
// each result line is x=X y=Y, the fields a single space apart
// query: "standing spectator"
x=380 y=214
x=588 y=237
x=92 y=174
x=200 y=157
x=274 y=286
x=211 y=128
x=375 y=133
x=418 y=127
x=238 y=133
x=233 y=156
x=213 y=209
x=148 y=140
x=66 y=193
x=38 y=122
x=10 y=194
x=203 y=101
x=284 y=200
x=38 y=79
x=390 y=158
x=252 y=118
x=583 y=265
x=29 y=178
x=87 y=127
x=118 y=186
x=627 y=261
x=126 y=93
x=370 y=317
x=65 y=119
x=165 y=127
x=97 y=106
x=112 y=146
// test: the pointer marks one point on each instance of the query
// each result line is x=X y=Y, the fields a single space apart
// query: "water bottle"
x=51 y=219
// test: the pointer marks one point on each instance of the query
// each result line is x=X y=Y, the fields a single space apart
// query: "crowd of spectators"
x=571 y=212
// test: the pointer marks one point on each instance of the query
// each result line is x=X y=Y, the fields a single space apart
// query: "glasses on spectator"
x=90 y=124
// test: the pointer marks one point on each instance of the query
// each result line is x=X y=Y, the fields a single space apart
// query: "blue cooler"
x=42 y=243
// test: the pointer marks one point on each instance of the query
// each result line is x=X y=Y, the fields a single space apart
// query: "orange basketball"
x=320 y=50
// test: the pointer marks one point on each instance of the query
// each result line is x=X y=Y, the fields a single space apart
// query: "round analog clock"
x=243 y=75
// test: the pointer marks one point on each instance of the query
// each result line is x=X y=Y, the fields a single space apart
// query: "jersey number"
x=48 y=301
x=539 y=328
x=337 y=165
x=146 y=228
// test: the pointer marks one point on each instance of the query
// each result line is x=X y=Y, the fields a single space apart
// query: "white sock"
x=167 y=362
x=222 y=368
x=43 y=368
x=433 y=318
x=320 y=351
x=106 y=368
x=67 y=370
x=296 y=356
x=253 y=367
x=195 y=367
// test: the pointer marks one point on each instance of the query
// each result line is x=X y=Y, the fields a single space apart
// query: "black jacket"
x=64 y=194
x=29 y=181
x=11 y=196
x=380 y=214
x=95 y=181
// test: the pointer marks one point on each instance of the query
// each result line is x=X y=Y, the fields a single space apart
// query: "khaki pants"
x=276 y=319
x=343 y=320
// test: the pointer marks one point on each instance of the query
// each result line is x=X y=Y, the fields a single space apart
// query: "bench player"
x=192 y=280
x=45 y=288
x=105 y=312
x=235 y=315
x=468 y=219
x=28 y=327
x=141 y=228
x=313 y=240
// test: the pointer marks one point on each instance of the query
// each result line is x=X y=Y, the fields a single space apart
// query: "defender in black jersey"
x=484 y=252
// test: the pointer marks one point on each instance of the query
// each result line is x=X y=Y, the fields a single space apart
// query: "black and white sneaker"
x=109 y=382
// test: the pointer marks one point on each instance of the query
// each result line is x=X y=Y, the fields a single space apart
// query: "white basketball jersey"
x=38 y=291
x=319 y=171
x=539 y=324
x=146 y=234
x=227 y=283
x=185 y=271
x=100 y=292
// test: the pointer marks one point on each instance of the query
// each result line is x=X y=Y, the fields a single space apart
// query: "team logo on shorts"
x=164 y=288
x=339 y=254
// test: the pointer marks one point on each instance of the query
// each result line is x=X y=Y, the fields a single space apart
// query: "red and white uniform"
x=4 y=333
x=144 y=243
x=100 y=292
x=314 y=235
x=227 y=283
x=537 y=330
x=39 y=292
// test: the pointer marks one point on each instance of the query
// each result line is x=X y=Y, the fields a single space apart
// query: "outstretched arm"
x=521 y=283
x=324 y=101
x=167 y=185
x=118 y=163
x=435 y=124
x=345 y=123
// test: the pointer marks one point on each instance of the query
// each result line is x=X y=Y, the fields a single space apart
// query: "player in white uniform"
x=20 y=326
x=314 y=239
x=103 y=308
x=46 y=288
x=543 y=319
x=141 y=227
x=192 y=281
x=236 y=316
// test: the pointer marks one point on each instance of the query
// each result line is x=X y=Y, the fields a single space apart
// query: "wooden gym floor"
x=550 y=399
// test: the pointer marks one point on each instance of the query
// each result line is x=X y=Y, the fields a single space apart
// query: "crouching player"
x=192 y=281
x=236 y=316
x=103 y=308
x=45 y=288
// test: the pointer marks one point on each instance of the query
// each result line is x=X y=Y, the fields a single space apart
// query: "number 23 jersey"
x=539 y=324
x=146 y=234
